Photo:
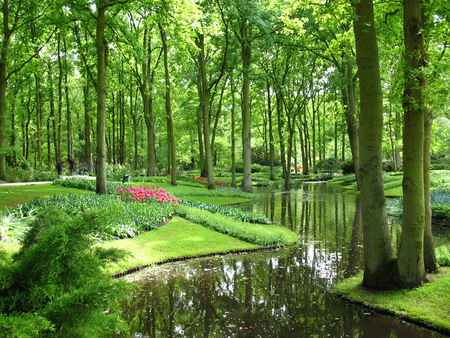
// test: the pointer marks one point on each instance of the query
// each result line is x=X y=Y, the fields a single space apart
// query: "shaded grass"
x=12 y=196
x=428 y=303
x=178 y=238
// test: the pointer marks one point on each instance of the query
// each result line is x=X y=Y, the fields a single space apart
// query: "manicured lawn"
x=12 y=196
x=218 y=200
x=429 y=303
x=178 y=238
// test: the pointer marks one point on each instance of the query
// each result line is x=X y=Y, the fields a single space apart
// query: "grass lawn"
x=12 y=196
x=429 y=303
x=218 y=200
x=178 y=238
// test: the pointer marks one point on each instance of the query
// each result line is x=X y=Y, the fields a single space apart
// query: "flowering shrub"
x=205 y=182
x=144 y=193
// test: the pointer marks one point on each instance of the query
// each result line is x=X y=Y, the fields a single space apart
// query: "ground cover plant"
x=120 y=216
x=260 y=234
x=56 y=284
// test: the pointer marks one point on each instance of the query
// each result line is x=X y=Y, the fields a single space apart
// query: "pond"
x=281 y=293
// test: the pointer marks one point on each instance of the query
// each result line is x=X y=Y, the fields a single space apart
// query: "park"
x=224 y=168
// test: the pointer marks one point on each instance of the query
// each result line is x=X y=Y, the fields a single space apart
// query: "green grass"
x=260 y=234
x=428 y=303
x=395 y=192
x=178 y=238
x=218 y=200
x=12 y=196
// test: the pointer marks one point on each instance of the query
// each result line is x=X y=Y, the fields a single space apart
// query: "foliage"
x=443 y=255
x=86 y=184
x=58 y=276
x=388 y=166
x=29 y=175
x=256 y=168
x=120 y=218
x=236 y=213
x=151 y=179
x=347 y=167
x=329 y=165
x=440 y=179
x=266 y=235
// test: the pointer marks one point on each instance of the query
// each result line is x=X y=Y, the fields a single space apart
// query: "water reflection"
x=285 y=293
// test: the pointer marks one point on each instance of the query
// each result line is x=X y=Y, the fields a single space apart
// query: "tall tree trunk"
x=60 y=99
x=233 y=134
x=280 y=135
x=203 y=170
x=101 y=98
x=87 y=128
x=38 y=120
x=205 y=109
x=349 y=100
x=429 y=254
x=377 y=243
x=170 y=135
x=6 y=36
x=314 y=136
x=271 y=145
x=411 y=268
x=68 y=112
x=247 y=185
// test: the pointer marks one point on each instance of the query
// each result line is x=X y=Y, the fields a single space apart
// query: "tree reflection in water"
x=284 y=293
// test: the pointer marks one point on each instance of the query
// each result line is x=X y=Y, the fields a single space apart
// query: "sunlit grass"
x=178 y=238
x=428 y=303
x=12 y=196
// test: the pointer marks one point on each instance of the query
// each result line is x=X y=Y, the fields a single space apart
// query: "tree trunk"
x=205 y=109
x=60 y=104
x=271 y=146
x=171 y=135
x=280 y=135
x=233 y=135
x=247 y=185
x=87 y=129
x=377 y=243
x=411 y=268
x=3 y=83
x=350 y=118
x=38 y=120
x=101 y=98
x=68 y=113
x=429 y=254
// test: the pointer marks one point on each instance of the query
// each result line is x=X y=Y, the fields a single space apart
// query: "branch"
x=32 y=57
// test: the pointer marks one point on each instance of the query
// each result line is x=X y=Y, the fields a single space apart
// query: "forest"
x=160 y=86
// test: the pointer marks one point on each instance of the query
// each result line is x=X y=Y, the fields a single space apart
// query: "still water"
x=282 y=293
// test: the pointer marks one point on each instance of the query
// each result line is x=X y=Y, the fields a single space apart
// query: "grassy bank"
x=178 y=238
x=428 y=304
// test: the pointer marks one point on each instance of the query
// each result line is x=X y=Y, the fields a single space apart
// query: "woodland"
x=162 y=86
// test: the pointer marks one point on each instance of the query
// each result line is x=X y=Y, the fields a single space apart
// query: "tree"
x=410 y=263
x=377 y=242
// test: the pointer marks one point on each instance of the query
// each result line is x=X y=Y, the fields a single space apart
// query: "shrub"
x=256 y=168
x=443 y=256
x=388 y=166
x=329 y=165
x=347 y=167
x=58 y=276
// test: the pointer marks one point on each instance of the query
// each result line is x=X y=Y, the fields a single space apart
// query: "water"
x=283 y=293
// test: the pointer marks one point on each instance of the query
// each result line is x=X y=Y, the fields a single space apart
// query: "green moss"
x=178 y=238
x=428 y=303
